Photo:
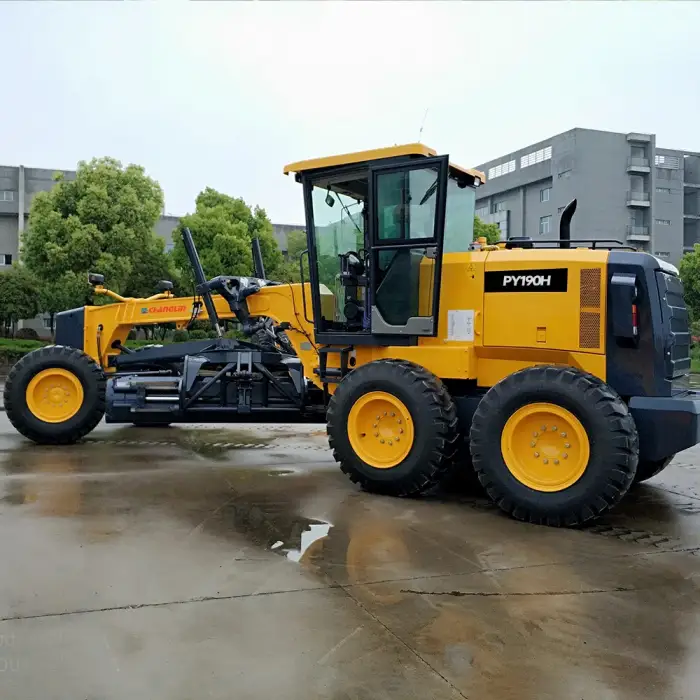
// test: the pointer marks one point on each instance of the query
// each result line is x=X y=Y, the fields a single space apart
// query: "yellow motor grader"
x=555 y=372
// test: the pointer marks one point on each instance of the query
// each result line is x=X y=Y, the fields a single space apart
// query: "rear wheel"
x=55 y=395
x=650 y=467
x=392 y=426
x=554 y=446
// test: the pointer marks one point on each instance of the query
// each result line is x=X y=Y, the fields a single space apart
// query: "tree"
x=490 y=232
x=67 y=292
x=100 y=222
x=690 y=276
x=223 y=229
x=19 y=297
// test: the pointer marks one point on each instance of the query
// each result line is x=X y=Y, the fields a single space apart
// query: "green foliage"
x=296 y=243
x=19 y=296
x=100 y=222
x=690 y=276
x=26 y=334
x=198 y=335
x=12 y=350
x=223 y=229
x=180 y=336
x=490 y=232
x=64 y=292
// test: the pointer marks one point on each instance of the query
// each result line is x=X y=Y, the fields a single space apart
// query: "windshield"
x=459 y=217
x=338 y=228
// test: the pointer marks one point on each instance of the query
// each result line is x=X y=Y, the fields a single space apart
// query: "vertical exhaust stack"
x=565 y=224
x=258 y=265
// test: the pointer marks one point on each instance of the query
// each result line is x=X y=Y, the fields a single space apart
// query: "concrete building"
x=627 y=189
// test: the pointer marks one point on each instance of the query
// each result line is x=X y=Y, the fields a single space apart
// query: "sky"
x=225 y=94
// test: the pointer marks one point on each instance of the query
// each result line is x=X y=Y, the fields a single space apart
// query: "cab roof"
x=409 y=149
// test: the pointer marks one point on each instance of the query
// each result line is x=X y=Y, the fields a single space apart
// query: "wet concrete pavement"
x=184 y=564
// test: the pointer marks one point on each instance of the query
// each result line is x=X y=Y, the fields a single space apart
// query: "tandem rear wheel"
x=393 y=428
x=55 y=395
x=554 y=446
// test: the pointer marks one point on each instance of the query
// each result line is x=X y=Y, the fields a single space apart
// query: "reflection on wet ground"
x=181 y=563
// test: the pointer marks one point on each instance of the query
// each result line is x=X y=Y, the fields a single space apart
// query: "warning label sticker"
x=460 y=325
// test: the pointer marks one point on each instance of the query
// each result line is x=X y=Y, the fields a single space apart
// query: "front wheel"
x=55 y=395
x=554 y=446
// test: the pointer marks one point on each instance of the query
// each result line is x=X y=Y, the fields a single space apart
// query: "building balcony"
x=638 y=165
x=694 y=185
x=690 y=215
x=637 y=199
x=640 y=138
x=638 y=233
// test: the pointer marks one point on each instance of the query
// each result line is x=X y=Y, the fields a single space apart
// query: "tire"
x=431 y=424
x=82 y=378
x=646 y=468
x=604 y=446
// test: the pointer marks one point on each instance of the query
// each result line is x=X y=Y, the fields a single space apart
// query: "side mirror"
x=94 y=279
x=164 y=286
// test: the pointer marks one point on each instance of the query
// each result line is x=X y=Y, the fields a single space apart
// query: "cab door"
x=406 y=229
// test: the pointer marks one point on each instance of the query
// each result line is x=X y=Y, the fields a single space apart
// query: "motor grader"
x=556 y=372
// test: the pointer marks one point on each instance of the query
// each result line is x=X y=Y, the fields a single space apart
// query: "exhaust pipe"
x=565 y=224
x=258 y=265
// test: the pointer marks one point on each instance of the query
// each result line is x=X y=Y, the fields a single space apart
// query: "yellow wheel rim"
x=380 y=429
x=54 y=395
x=545 y=447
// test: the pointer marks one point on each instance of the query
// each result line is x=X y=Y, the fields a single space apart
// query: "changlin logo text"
x=164 y=309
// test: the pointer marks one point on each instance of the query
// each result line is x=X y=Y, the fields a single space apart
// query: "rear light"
x=635 y=328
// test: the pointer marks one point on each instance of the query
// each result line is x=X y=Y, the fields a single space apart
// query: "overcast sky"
x=224 y=94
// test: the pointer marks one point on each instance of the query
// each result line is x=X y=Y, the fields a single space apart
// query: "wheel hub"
x=54 y=395
x=380 y=429
x=545 y=447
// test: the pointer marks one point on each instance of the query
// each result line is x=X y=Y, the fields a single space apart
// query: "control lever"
x=201 y=281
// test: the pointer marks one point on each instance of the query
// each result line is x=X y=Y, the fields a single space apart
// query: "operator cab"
x=377 y=225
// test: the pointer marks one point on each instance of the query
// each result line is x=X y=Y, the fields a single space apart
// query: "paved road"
x=173 y=564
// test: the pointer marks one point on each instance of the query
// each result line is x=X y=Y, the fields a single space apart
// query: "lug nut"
x=543 y=428
x=533 y=443
x=399 y=420
x=385 y=413
x=563 y=434
x=376 y=435
x=535 y=434
x=375 y=425
x=381 y=441
x=554 y=428
x=390 y=442
x=567 y=445
x=545 y=460
x=564 y=456
x=401 y=430
x=556 y=461
x=537 y=454
x=392 y=414
x=397 y=439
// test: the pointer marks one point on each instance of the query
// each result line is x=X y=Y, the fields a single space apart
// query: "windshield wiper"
x=430 y=191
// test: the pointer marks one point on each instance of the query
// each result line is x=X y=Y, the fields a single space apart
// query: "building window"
x=7 y=196
x=5 y=259
x=545 y=224
x=663 y=190
x=544 y=194
x=499 y=206
x=670 y=162
x=46 y=321
x=662 y=254
x=502 y=169
x=481 y=212
x=536 y=157
x=663 y=222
